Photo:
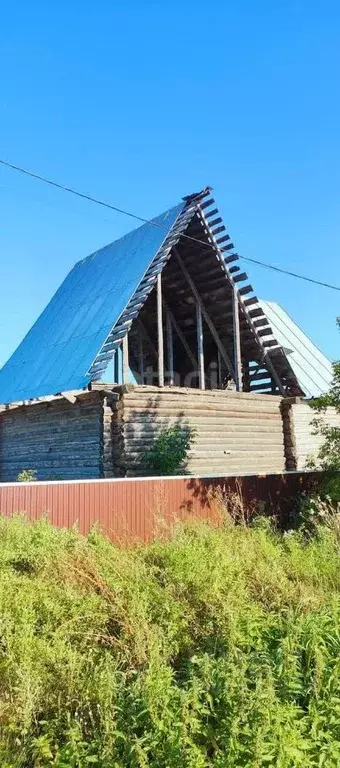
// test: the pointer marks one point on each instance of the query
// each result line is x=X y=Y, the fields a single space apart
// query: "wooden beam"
x=181 y=337
x=219 y=369
x=141 y=357
x=125 y=359
x=69 y=396
x=160 y=332
x=237 y=341
x=206 y=316
x=116 y=366
x=170 y=348
x=147 y=337
x=244 y=304
x=200 y=349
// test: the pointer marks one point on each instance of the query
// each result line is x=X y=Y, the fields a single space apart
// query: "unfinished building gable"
x=167 y=302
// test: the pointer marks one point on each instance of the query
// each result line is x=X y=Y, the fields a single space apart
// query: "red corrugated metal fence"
x=128 y=510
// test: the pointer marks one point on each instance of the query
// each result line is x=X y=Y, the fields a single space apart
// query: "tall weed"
x=216 y=648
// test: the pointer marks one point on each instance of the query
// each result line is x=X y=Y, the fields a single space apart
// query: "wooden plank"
x=207 y=203
x=116 y=367
x=170 y=348
x=246 y=289
x=260 y=323
x=265 y=387
x=141 y=357
x=70 y=397
x=237 y=341
x=245 y=303
x=160 y=356
x=241 y=276
x=200 y=350
x=206 y=316
x=211 y=213
x=181 y=337
x=147 y=337
x=218 y=230
x=125 y=359
x=219 y=368
x=270 y=343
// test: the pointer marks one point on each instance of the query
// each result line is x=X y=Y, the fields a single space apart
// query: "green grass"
x=216 y=648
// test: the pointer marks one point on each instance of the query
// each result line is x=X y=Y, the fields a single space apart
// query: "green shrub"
x=169 y=452
x=216 y=648
x=27 y=476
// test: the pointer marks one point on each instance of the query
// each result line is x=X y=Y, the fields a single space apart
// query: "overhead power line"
x=115 y=208
x=291 y=274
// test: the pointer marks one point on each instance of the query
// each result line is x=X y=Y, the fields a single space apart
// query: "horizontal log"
x=218 y=396
x=250 y=417
x=221 y=440
x=239 y=453
x=190 y=391
x=205 y=427
x=192 y=406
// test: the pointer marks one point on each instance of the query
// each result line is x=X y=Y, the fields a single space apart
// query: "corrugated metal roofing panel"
x=312 y=368
x=57 y=352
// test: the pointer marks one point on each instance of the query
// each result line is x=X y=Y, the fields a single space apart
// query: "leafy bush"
x=169 y=452
x=217 y=648
x=27 y=476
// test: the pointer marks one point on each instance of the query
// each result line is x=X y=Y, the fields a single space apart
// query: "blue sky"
x=142 y=102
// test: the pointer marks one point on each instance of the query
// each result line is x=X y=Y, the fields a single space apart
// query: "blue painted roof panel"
x=312 y=368
x=57 y=352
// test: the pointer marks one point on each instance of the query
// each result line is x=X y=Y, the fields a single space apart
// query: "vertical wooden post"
x=200 y=350
x=237 y=341
x=170 y=348
x=219 y=366
x=116 y=366
x=246 y=376
x=141 y=358
x=125 y=359
x=160 y=332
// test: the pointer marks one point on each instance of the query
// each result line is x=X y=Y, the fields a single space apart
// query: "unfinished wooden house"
x=170 y=310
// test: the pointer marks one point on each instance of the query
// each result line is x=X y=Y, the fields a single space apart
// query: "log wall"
x=106 y=433
x=306 y=443
x=59 y=439
x=235 y=432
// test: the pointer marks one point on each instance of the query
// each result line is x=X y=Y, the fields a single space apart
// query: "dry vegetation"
x=215 y=648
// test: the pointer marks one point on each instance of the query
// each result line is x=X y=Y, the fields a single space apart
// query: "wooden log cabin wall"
x=106 y=432
x=58 y=439
x=234 y=432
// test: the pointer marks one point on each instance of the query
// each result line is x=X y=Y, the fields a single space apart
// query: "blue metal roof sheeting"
x=312 y=368
x=58 y=351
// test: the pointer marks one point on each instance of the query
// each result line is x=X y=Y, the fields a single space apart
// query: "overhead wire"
x=153 y=223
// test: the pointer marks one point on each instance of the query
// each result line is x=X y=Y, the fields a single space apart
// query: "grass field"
x=215 y=648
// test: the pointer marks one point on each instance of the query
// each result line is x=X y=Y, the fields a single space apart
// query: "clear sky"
x=142 y=102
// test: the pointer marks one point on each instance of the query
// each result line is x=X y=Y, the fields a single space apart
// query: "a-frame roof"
x=73 y=340
x=57 y=353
